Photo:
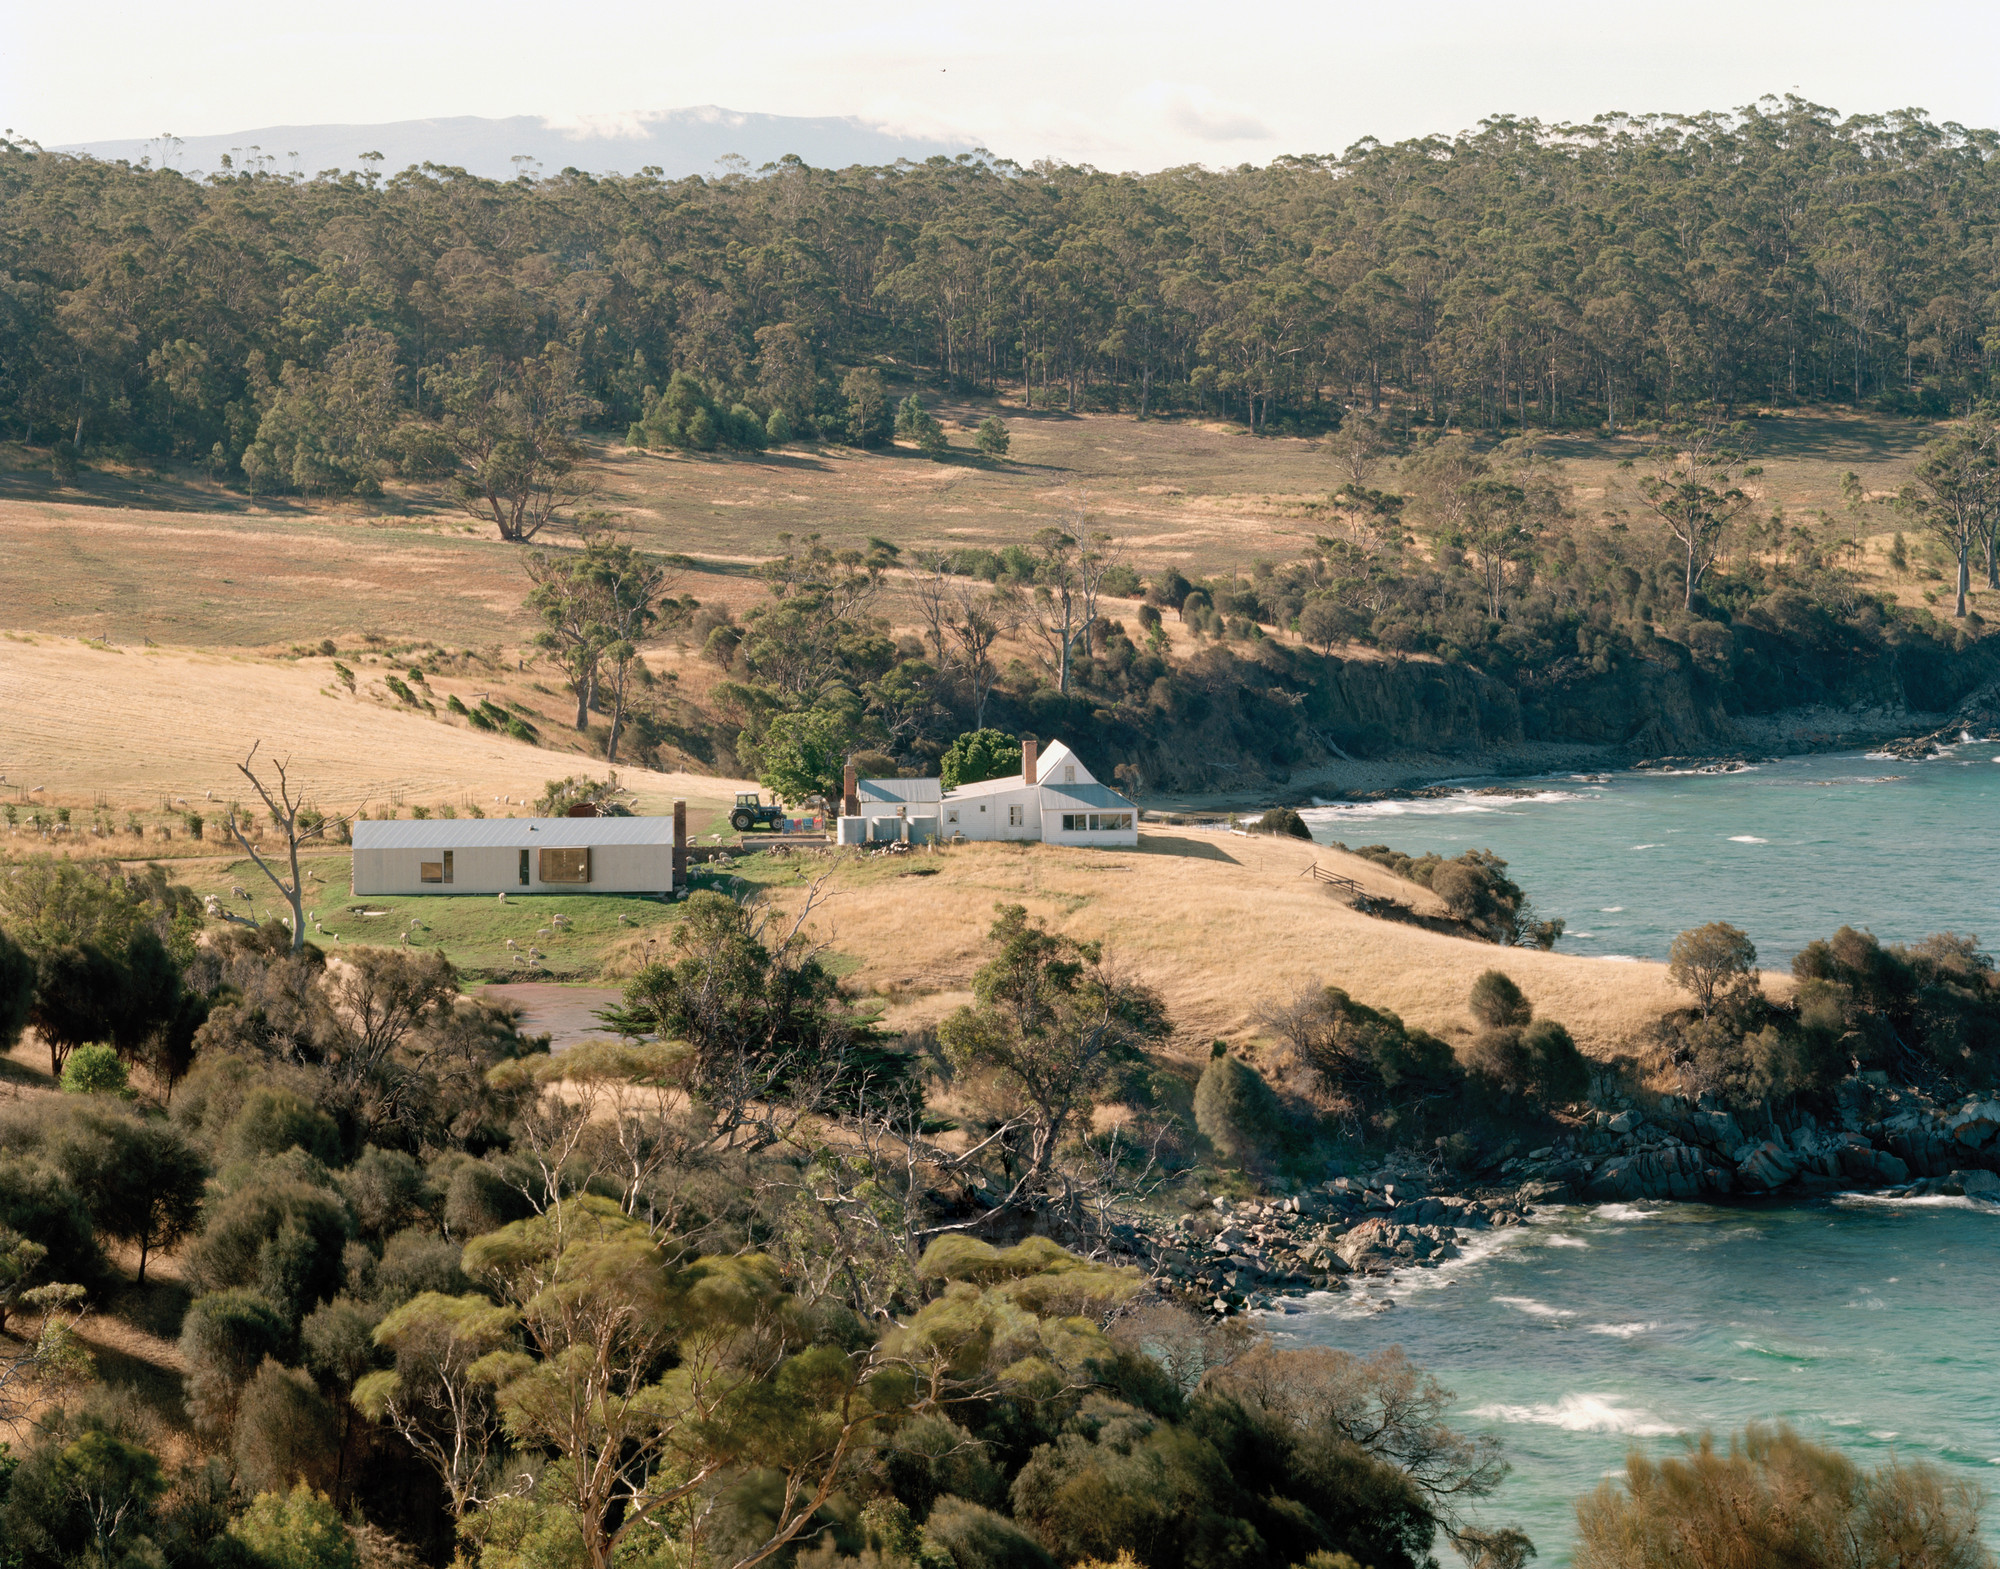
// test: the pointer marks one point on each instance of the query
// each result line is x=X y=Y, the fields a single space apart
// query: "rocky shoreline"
x=1225 y=1258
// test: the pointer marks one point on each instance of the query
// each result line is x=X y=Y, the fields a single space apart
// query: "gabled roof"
x=1092 y=797
x=1048 y=766
x=558 y=833
x=1000 y=786
x=898 y=790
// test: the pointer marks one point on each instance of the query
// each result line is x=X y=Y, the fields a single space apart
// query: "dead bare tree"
x=978 y=622
x=299 y=821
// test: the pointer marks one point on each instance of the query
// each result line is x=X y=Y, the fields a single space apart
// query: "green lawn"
x=602 y=935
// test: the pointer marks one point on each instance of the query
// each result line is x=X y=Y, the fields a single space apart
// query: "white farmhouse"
x=1054 y=799
x=489 y=855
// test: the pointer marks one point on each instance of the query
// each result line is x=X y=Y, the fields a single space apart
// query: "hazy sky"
x=1119 y=85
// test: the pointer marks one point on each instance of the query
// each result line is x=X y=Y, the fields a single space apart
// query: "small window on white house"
x=1069 y=773
x=1073 y=822
x=951 y=817
x=430 y=871
x=982 y=806
x=1013 y=817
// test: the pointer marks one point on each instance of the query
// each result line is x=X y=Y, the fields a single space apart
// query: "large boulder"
x=1860 y=1163
x=1677 y=1173
x=1370 y=1248
x=1976 y=1184
x=1716 y=1129
x=1975 y=1125
x=1761 y=1168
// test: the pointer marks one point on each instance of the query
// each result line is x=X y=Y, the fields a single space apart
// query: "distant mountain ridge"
x=678 y=142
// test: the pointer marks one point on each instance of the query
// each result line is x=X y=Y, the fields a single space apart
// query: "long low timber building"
x=490 y=855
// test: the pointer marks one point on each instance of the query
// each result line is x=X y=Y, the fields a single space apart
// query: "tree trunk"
x=1964 y=574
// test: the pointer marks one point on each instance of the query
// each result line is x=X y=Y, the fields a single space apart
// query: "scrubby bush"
x=977 y=1538
x=1538 y=1062
x=279 y=1235
x=1774 y=1498
x=992 y=438
x=225 y=1337
x=285 y=1432
x=296 y=1530
x=1498 y=1003
x=1235 y=1109
x=94 y=1070
x=1283 y=820
x=1710 y=961
x=275 y=1120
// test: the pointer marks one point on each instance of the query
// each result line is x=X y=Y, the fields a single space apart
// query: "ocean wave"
x=1562 y=1239
x=1611 y=909
x=1536 y=1309
x=1456 y=804
x=1649 y=847
x=1917 y=1201
x=1582 y=1414
x=1624 y=1212
x=1621 y=1331
x=1747 y=839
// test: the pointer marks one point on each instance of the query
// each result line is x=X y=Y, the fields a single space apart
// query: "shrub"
x=43 y=1207
x=95 y=1070
x=285 y=1432
x=275 y=1120
x=283 y=1237
x=225 y=1338
x=1282 y=820
x=1498 y=1003
x=778 y=428
x=992 y=438
x=978 y=1538
x=1235 y=1109
x=295 y=1530
x=1776 y=1499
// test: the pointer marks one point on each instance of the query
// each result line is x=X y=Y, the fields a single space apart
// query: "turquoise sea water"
x=1788 y=850
x=1867 y=1324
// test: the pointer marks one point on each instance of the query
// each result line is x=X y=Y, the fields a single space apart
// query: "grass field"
x=1220 y=924
x=185 y=562
x=135 y=726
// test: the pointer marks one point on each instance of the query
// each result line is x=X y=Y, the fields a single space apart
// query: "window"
x=1013 y=817
x=524 y=868
x=1073 y=822
x=566 y=866
x=982 y=806
x=951 y=816
x=1069 y=773
x=430 y=871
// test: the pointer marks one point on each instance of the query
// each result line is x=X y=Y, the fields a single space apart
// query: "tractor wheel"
x=742 y=822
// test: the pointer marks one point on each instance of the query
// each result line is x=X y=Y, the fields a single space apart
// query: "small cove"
x=1866 y=1324
x=1788 y=849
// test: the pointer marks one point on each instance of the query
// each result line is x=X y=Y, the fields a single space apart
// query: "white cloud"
x=1195 y=112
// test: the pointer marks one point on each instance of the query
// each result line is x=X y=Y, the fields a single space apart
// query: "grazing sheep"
x=511 y=943
x=543 y=932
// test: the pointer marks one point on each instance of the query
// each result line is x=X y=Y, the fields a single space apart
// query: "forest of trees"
x=320 y=332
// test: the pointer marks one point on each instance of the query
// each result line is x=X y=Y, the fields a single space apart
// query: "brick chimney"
x=850 y=792
x=1027 y=759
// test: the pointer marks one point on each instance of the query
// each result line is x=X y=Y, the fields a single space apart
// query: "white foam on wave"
x=1747 y=839
x=1578 y=1413
x=1536 y=1309
x=1456 y=804
x=1649 y=847
x=1624 y=1212
x=1562 y=1239
x=1611 y=909
x=1918 y=1201
x=1621 y=1331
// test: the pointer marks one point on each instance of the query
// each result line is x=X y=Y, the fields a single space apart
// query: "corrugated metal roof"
x=906 y=790
x=998 y=786
x=1055 y=797
x=458 y=833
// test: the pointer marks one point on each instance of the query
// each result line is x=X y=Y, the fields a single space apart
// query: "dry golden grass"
x=1219 y=923
x=138 y=725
